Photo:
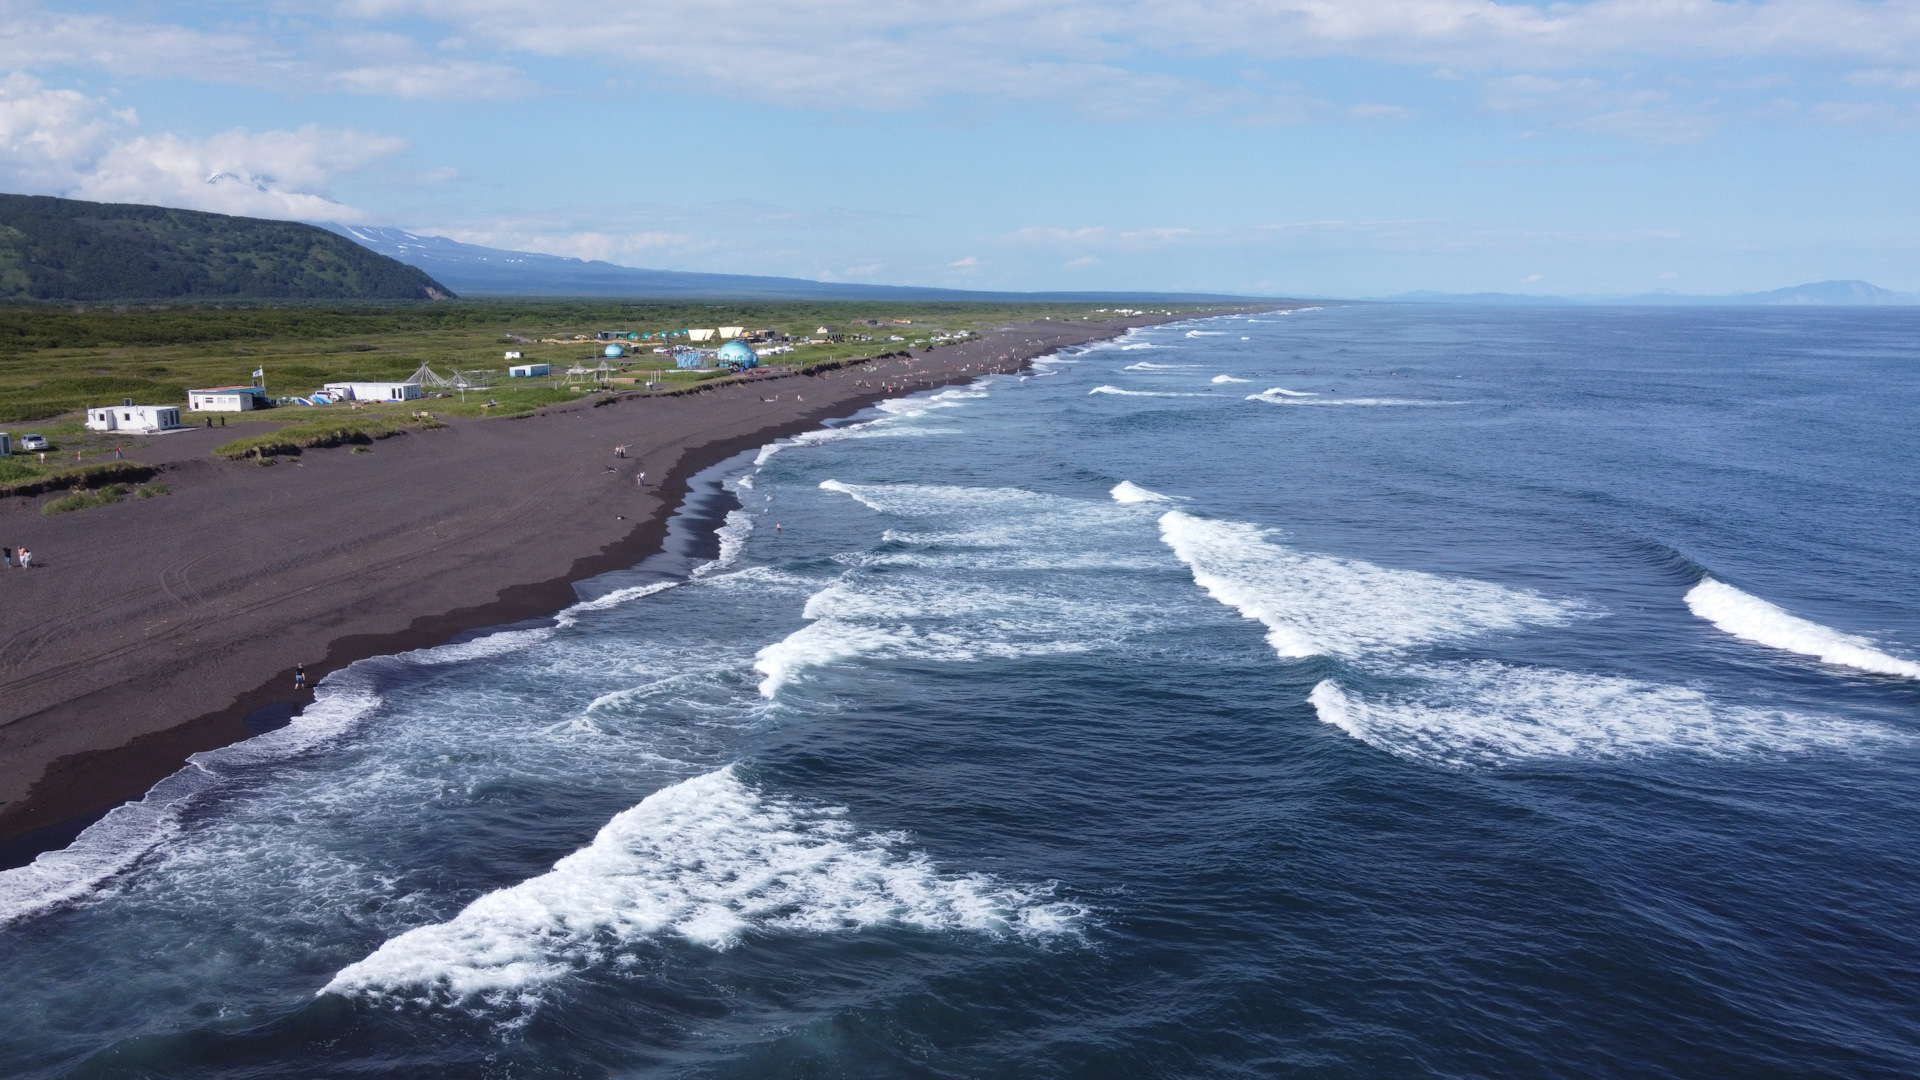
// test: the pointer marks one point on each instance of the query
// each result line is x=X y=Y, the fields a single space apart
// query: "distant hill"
x=1819 y=293
x=65 y=249
x=485 y=271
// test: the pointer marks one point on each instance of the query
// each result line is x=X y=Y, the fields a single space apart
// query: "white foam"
x=1147 y=365
x=1315 y=605
x=1489 y=714
x=1752 y=619
x=115 y=842
x=1279 y=395
x=567 y=617
x=711 y=861
x=1141 y=345
x=1206 y=333
x=1138 y=393
x=733 y=541
x=1228 y=379
x=1126 y=491
x=990 y=594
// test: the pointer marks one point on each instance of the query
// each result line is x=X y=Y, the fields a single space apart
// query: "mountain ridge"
x=475 y=270
x=60 y=250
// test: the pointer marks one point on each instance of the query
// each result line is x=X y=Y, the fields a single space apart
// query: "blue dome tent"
x=736 y=354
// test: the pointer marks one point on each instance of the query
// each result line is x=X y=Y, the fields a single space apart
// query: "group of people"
x=22 y=558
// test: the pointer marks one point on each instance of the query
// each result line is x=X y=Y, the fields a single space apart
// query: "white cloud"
x=62 y=142
x=46 y=134
x=1104 y=59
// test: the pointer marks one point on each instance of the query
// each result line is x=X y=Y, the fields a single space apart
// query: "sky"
x=1271 y=147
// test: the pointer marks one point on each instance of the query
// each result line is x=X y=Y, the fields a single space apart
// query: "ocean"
x=1356 y=692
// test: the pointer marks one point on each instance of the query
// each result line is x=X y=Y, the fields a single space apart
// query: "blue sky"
x=1304 y=147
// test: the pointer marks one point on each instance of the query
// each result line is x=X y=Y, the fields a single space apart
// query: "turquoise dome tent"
x=736 y=354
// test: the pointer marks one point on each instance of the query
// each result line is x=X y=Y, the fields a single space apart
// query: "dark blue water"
x=1460 y=693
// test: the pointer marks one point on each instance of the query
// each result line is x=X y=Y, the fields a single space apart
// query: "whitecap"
x=710 y=860
x=1752 y=619
x=1277 y=394
x=1206 y=333
x=1126 y=491
x=1315 y=605
x=1138 y=393
x=1485 y=714
x=1146 y=365
x=1228 y=379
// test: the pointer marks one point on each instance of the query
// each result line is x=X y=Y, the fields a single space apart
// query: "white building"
x=529 y=371
x=227 y=399
x=514 y=354
x=131 y=417
x=372 y=391
x=732 y=331
x=699 y=335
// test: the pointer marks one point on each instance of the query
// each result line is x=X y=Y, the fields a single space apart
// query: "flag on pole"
x=259 y=373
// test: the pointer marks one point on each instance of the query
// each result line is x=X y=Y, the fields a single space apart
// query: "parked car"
x=33 y=442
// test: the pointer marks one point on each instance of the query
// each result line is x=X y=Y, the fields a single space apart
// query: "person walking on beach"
x=299 y=676
x=26 y=559
x=6 y=555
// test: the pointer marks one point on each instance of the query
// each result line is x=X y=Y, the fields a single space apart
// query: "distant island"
x=1813 y=294
x=69 y=250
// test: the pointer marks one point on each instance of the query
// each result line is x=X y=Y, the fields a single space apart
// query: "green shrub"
x=86 y=476
x=292 y=440
x=82 y=500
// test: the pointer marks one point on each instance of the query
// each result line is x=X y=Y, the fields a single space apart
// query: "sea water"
x=1369 y=691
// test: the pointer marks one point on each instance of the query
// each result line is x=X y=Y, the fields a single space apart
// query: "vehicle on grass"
x=35 y=442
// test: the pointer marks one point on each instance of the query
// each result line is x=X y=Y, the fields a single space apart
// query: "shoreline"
x=69 y=791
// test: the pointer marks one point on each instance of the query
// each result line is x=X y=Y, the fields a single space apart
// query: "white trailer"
x=372 y=391
x=131 y=417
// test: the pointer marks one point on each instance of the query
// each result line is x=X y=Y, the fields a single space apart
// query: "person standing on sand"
x=299 y=676
x=6 y=555
x=26 y=559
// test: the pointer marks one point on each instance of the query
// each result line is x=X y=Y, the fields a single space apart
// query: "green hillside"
x=64 y=249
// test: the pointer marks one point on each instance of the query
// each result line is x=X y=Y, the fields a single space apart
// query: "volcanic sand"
x=148 y=630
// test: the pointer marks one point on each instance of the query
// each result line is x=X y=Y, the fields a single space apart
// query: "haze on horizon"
x=1289 y=146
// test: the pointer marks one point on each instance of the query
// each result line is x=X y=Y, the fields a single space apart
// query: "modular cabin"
x=372 y=391
x=228 y=399
x=131 y=417
x=6 y=444
x=529 y=371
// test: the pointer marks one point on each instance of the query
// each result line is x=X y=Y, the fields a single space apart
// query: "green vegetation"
x=82 y=500
x=331 y=431
x=64 y=249
x=19 y=477
x=55 y=361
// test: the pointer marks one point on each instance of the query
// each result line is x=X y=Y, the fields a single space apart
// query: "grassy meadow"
x=56 y=360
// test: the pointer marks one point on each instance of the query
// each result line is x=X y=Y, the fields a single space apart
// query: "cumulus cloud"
x=62 y=142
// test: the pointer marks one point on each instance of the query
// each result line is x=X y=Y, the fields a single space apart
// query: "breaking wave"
x=115 y=842
x=1146 y=365
x=1126 y=491
x=1320 y=605
x=710 y=860
x=1228 y=379
x=1752 y=619
x=1486 y=714
x=1139 y=393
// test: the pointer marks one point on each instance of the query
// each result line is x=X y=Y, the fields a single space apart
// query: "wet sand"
x=152 y=629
